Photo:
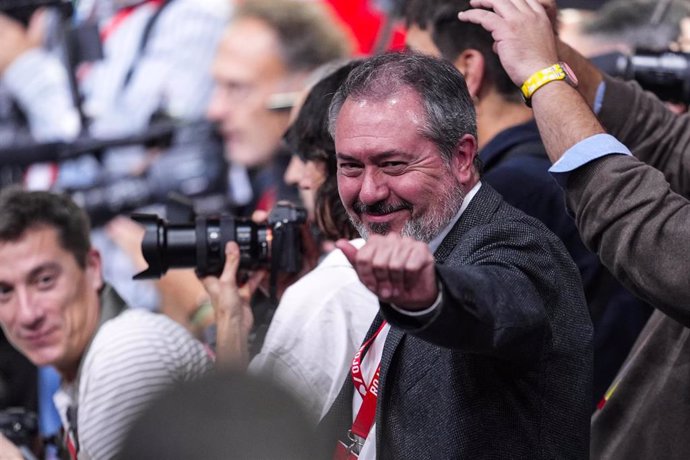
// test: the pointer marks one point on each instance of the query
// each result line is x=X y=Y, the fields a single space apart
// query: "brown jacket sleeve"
x=627 y=211
x=654 y=134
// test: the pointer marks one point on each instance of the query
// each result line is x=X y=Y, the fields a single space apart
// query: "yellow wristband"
x=556 y=72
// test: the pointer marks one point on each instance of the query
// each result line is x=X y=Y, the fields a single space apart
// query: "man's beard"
x=421 y=228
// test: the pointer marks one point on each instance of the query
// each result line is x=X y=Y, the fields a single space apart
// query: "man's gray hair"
x=447 y=103
x=308 y=34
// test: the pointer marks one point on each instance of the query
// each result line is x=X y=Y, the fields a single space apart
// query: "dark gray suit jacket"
x=502 y=369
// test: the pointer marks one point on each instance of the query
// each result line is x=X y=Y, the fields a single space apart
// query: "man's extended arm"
x=479 y=308
x=624 y=209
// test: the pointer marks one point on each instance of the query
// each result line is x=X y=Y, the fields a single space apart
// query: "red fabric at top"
x=365 y=22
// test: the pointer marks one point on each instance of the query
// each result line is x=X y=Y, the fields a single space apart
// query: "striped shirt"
x=132 y=359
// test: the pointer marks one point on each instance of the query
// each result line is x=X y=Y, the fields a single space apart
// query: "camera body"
x=276 y=245
x=19 y=426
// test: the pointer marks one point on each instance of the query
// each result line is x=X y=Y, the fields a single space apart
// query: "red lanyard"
x=121 y=16
x=367 y=411
x=357 y=377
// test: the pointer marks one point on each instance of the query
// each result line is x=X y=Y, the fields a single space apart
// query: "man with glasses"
x=264 y=58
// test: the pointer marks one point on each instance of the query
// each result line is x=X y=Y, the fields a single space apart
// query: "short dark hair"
x=308 y=137
x=22 y=210
x=447 y=104
x=308 y=35
x=452 y=36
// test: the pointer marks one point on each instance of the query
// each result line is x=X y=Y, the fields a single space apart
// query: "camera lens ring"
x=201 y=247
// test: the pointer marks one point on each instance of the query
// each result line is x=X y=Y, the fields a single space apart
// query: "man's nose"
x=217 y=105
x=28 y=313
x=374 y=188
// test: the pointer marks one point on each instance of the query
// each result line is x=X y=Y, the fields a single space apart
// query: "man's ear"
x=94 y=268
x=462 y=163
x=471 y=64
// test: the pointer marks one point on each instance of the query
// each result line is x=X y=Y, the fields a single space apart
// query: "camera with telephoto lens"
x=276 y=245
x=664 y=73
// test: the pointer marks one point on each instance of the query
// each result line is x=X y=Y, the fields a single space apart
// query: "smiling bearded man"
x=482 y=346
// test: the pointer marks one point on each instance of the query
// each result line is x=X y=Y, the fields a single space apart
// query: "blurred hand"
x=232 y=308
x=397 y=269
x=523 y=50
x=310 y=256
x=15 y=40
x=8 y=451
x=551 y=11
x=128 y=235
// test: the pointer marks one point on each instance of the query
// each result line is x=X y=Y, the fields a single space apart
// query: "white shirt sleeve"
x=38 y=81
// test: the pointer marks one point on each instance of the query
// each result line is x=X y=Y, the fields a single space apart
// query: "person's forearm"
x=589 y=77
x=232 y=351
x=563 y=118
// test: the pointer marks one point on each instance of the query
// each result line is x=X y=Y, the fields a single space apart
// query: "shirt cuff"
x=599 y=97
x=586 y=151
x=426 y=311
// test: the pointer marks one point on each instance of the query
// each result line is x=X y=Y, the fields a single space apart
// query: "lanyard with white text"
x=367 y=411
x=357 y=377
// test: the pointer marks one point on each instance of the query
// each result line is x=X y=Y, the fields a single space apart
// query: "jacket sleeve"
x=498 y=297
x=629 y=214
x=654 y=134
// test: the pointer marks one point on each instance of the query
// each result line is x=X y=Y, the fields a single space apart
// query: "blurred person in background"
x=58 y=311
x=156 y=56
x=223 y=416
x=634 y=39
x=623 y=26
x=323 y=317
x=262 y=63
x=154 y=63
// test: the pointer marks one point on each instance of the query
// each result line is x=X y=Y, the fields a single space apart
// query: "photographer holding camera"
x=293 y=352
x=57 y=310
x=267 y=52
x=632 y=210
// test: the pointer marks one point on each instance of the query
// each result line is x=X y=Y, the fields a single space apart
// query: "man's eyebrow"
x=345 y=156
x=43 y=267
x=380 y=156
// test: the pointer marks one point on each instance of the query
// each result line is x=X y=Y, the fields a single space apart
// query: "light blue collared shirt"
x=587 y=150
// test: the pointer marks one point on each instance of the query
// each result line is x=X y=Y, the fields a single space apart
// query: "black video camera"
x=664 y=73
x=276 y=245
x=22 y=10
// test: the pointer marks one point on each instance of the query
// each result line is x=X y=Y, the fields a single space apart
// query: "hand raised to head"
x=522 y=31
